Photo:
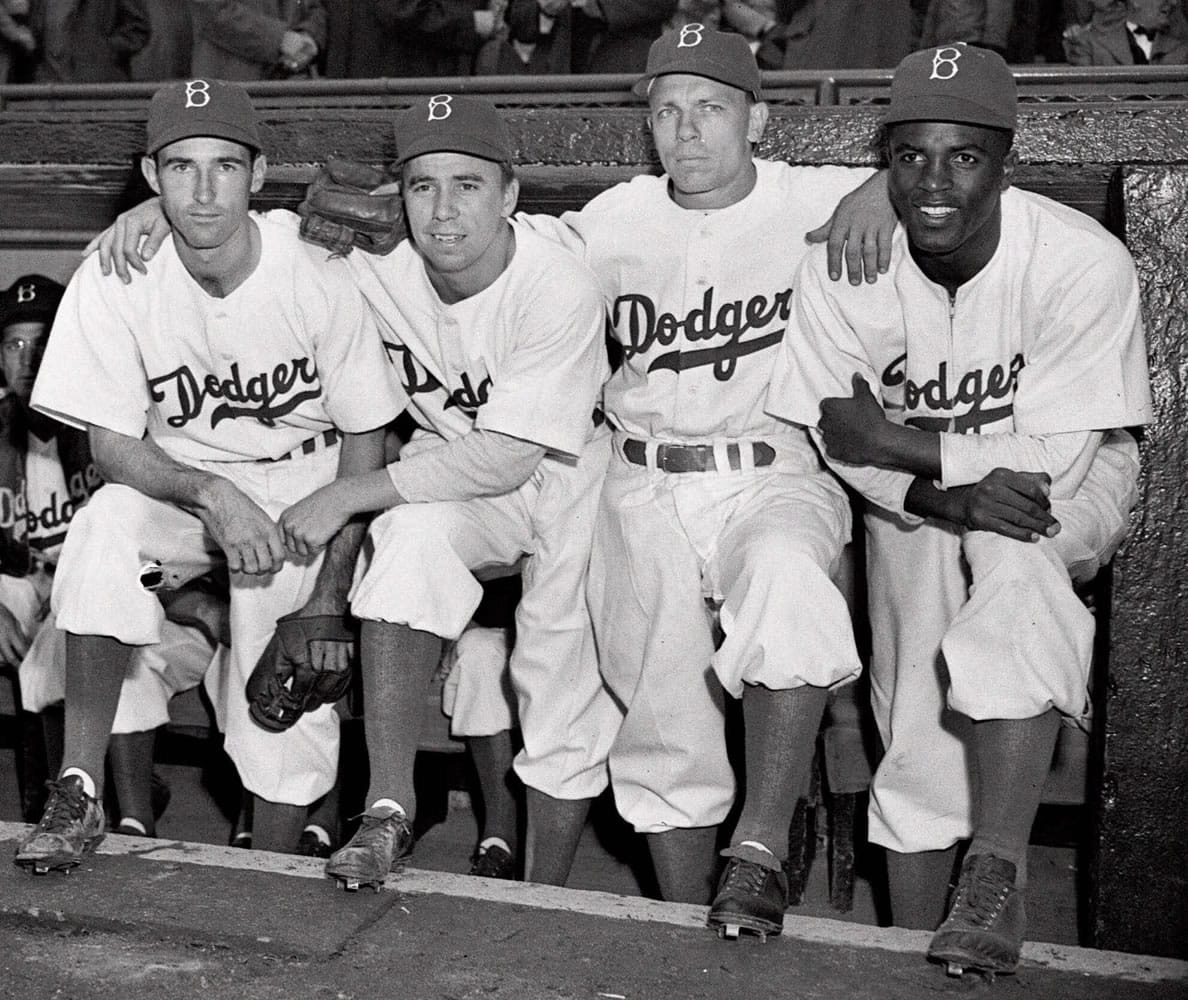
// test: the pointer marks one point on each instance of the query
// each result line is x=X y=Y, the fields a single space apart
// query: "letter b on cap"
x=439 y=108
x=944 y=67
x=197 y=94
x=26 y=293
x=691 y=35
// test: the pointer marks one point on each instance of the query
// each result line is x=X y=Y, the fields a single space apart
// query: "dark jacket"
x=620 y=43
x=408 y=38
x=87 y=41
x=240 y=39
x=1109 y=45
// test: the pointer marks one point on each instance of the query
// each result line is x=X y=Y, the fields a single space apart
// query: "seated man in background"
x=47 y=476
x=215 y=394
x=1007 y=351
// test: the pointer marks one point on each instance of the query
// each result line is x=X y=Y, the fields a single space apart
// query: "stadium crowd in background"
x=74 y=41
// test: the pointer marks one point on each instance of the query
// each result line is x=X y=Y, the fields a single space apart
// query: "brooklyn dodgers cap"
x=451 y=123
x=954 y=83
x=190 y=108
x=701 y=51
x=31 y=299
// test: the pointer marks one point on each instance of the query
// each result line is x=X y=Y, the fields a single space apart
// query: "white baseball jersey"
x=218 y=383
x=700 y=301
x=289 y=353
x=698 y=311
x=523 y=357
x=51 y=502
x=1045 y=340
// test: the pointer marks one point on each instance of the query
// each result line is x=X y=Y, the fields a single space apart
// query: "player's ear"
x=511 y=194
x=1009 y=163
x=757 y=121
x=148 y=167
x=259 y=169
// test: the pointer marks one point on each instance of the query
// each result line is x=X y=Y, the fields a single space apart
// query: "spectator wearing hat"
x=243 y=372
x=977 y=398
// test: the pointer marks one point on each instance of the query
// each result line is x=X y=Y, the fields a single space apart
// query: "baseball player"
x=707 y=497
x=48 y=476
x=504 y=372
x=976 y=396
x=243 y=373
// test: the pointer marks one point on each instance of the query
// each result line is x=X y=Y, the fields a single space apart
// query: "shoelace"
x=67 y=804
x=747 y=876
x=980 y=897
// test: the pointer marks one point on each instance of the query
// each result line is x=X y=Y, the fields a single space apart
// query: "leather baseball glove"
x=340 y=211
x=285 y=683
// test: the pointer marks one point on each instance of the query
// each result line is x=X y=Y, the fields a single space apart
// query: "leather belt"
x=698 y=457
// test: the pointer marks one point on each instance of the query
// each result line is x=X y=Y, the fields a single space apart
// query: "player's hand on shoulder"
x=1009 y=503
x=251 y=540
x=859 y=232
x=130 y=241
x=852 y=426
x=14 y=644
x=310 y=523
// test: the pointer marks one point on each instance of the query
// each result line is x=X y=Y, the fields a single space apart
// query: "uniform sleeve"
x=968 y=458
x=92 y=372
x=362 y=388
x=478 y=464
x=817 y=359
x=820 y=351
x=1087 y=364
x=565 y=230
x=825 y=186
x=551 y=373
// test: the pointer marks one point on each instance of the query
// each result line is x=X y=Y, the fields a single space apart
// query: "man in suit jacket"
x=1141 y=38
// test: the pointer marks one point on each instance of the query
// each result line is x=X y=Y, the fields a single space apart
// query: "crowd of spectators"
x=94 y=41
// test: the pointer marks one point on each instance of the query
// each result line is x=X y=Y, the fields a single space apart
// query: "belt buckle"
x=678 y=458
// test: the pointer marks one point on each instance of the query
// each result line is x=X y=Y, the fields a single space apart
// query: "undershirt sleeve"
x=967 y=458
x=477 y=464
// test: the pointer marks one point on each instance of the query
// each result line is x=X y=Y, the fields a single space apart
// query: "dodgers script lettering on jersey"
x=264 y=396
x=418 y=380
x=644 y=329
x=931 y=403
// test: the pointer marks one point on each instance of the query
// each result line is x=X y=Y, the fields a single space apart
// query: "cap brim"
x=460 y=144
x=230 y=133
x=942 y=108
x=641 y=86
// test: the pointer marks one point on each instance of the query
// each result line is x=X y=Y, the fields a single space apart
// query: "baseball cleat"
x=493 y=862
x=750 y=898
x=382 y=843
x=71 y=827
x=984 y=929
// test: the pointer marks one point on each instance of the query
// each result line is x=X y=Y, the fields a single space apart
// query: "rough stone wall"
x=1141 y=868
